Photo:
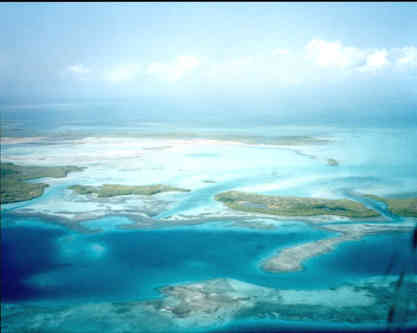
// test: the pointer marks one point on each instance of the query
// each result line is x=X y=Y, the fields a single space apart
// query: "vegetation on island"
x=112 y=190
x=399 y=206
x=332 y=162
x=14 y=185
x=293 y=206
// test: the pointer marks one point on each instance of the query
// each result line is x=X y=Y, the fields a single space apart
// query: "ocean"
x=49 y=265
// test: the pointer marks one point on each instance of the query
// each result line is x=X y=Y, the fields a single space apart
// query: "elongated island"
x=112 y=190
x=293 y=206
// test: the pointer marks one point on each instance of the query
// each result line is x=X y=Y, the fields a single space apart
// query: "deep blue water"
x=373 y=255
x=67 y=266
x=129 y=265
x=263 y=326
x=25 y=252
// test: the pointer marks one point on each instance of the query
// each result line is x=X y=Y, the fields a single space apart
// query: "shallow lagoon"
x=56 y=266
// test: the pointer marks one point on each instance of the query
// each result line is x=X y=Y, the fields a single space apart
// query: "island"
x=332 y=162
x=218 y=302
x=399 y=206
x=14 y=185
x=112 y=190
x=293 y=206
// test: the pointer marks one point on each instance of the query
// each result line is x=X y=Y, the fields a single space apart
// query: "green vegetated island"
x=112 y=190
x=209 y=181
x=14 y=185
x=332 y=162
x=399 y=206
x=293 y=206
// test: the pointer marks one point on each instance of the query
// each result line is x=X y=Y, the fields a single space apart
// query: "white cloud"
x=407 y=56
x=175 y=70
x=280 y=52
x=271 y=67
x=241 y=68
x=78 y=69
x=123 y=73
x=375 y=60
x=241 y=62
x=327 y=54
x=334 y=54
x=186 y=63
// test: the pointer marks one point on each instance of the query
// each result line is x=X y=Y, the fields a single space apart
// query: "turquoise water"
x=45 y=263
x=129 y=265
x=373 y=255
x=50 y=264
x=48 y=193
x=276 y=326
x=206 y=195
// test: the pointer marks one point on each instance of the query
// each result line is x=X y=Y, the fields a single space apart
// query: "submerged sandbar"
x=291 y=259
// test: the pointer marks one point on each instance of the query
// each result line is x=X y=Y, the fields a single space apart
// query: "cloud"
x=244 y=62
x=78 y=69
x=123 y=73
x=328 y=54
x=407 y=56
x=280 y=52
x=375 y=60
x=334 y=54
x=230 y=69
x=261 y=69
x=174 y=70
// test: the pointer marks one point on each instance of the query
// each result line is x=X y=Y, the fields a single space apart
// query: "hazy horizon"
x=279 y=62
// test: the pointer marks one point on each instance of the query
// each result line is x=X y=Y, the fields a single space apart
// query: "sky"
x=309 y=58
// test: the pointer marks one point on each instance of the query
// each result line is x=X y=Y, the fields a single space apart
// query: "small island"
x=293 y=206
x=332 y=162
x=112 y=190
x=14 y=187
x=400 y=206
